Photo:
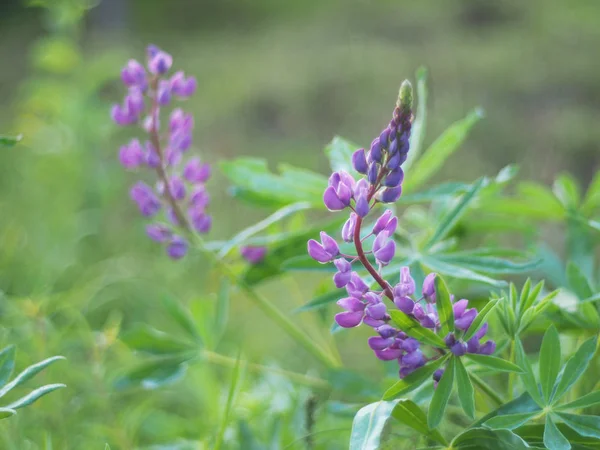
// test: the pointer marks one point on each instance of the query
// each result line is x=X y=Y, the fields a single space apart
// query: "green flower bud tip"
x=405 y=96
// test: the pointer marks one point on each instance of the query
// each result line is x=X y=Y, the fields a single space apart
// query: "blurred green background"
x=277 y=80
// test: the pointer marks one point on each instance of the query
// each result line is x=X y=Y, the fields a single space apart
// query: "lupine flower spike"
x=179 y=192
x=381 y=182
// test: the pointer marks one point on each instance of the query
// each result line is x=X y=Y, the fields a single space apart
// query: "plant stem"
x=487 y=389
x=306 y=380
x=511 y=375
x=267 y=307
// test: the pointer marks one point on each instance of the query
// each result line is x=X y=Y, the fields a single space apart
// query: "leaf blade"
x=466 y=393
x=415 y=330
x=494 y=362
x=549 y=361
x=440 y=398
x=415 y=379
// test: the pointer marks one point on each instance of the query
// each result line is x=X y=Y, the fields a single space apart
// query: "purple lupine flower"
x=180 y=193
x=348 y=229
x=359 y=161
x=354 y=313
x=429 y=288
x=196 y=172
x=159 y=232
x=134 y=74
x=389 y=195
x=406 y=286
x=387 y=221
x=253 y=254
x=132 y=155
x=344 y=272
x=384 y=248
x=338 y=194
x=182 y=86
x=177 y=247
x=356 y=287
x=325 y=251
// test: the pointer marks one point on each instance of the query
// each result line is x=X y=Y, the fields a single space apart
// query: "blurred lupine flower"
x=179 y=191
x=253 y=254
x=381 y=182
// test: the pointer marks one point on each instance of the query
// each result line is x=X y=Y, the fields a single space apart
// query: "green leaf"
x=154 y=373
x=368 y=425
x=522 y=404
x=442 y=148
x=486 y=439
x=29 y=373
x=408 y=413
x=222 y=309
x=575 y=367
x=9 y=141
x=567 y=191
x=591 y=399
x=256 y=184
x=489 y=264
x=7 y=363
x=593 y=298
x=415 y=379
x=588 y=426
x=450 y=189
x=417 y=135
x=5 y=413
x=527 y=376
x=144 y=338
x=493 y=362
x=510 y=421
x=481 y=318
x=549 y=361
x=339 y=152
x=454 y=271
x=292 y=246
x=534 y=434
x=453 y=216
x=183 y=318
x=233 y=387
x=415 y=330
x=243 y=236
x=322 y=301
x=578 y=283
x=440 y=398
x=553 y=438
x=444 y=306
x=466 y=394
x=34 y=395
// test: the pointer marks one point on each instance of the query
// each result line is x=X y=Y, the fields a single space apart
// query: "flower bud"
x=177 y=248
x=359 y=161
x=253 y=254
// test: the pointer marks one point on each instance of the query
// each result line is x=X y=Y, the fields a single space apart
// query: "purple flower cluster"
x=180 y=191
x=381 y=182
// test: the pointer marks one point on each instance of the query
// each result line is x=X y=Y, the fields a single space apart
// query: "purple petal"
x=362 y=207
x=376 y=311
x=253 y=254
x=359 y=161
x=481 y=332
x=459 y=348
x=329 y=244
x=349 y=319
x=459 y=308
x=404 y=304
x=177 y=248
x=348 y=229
x=466 y=319
x=317 y=252
x=351 y=304
x=382 y=222
x=388 y=354
x=331 y=200
x=410 y=344
x=379 y=343
x=386 y=331
x=488 y=348
x=341 y=279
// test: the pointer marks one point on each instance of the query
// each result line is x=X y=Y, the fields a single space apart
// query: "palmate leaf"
x=441 y=149
x=34 y=396
x=486 y=439
x=534 y=434
x=370 y=422
x=440 y=398
x=591 y=399
x=466 y=393
x=453 y=216
x=444 y=306
x=28 y=374
x=254 y=183
x=510 y=421
x=146 y=339
x=481 y=318
x=493 y=362
x=575 y=367
x=415 y=330
x=553 y=438
x=549 y=361
x=588 y=426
